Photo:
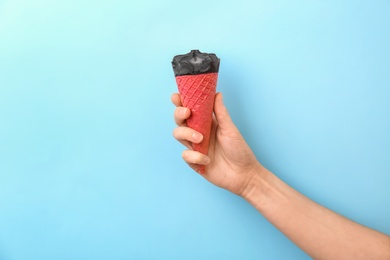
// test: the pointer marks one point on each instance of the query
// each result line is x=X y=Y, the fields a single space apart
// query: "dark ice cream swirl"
x=195 y=62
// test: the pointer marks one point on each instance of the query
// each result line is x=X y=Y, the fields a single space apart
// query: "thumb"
x=222 y=115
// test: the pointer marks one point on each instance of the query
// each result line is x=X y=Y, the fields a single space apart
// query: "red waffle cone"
x=197 y=92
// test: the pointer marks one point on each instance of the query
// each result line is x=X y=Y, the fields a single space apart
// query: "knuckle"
x=182 y=133
x=191 y=157
x=177 y=110
x=176 y=117
x=185 y=156
x=175 y=133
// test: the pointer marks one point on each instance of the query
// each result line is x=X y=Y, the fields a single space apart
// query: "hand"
x=230 y=163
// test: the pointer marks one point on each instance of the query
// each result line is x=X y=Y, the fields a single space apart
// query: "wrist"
x=254 y=183
x=260 y=191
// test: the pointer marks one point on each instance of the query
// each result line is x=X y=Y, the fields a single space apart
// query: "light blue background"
x=88 y=165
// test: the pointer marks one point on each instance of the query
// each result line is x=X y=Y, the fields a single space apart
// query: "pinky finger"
x=196 y=160
x=194 y=157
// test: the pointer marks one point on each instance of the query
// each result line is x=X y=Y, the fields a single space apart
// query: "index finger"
x=176 y=100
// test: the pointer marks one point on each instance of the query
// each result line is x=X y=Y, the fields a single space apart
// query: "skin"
x=231 y=165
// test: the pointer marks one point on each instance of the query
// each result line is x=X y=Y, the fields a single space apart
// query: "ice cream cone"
x=196 y=77
x=197 y=92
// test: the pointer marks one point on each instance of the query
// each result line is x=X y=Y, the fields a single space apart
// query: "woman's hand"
x=230 y=163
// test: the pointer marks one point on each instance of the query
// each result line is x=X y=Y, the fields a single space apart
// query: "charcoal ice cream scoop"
x=195 y=62
x=196 y=76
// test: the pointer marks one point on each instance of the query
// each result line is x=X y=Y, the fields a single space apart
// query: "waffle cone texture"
x=197 y=92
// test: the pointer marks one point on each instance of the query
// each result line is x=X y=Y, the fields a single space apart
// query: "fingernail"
x=197 y=136
x=206 y=160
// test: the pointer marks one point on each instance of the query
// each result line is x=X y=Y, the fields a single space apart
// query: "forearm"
x=320 y=232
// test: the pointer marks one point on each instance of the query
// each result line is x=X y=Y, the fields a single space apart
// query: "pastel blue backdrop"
x=88 y=165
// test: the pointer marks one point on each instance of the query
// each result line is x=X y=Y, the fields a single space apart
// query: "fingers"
x=176 y=99
x=187 y=136
x=181 y=114
x=195 y=158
